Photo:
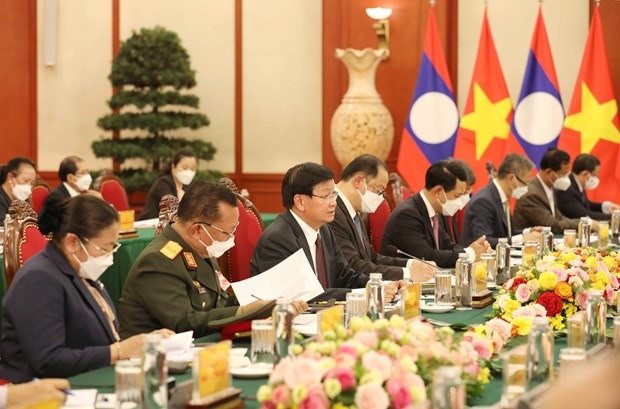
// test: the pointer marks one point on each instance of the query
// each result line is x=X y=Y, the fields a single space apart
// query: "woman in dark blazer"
x=180 y=174
x=58 y=320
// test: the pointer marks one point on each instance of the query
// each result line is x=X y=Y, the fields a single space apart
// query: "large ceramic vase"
x=361 y=124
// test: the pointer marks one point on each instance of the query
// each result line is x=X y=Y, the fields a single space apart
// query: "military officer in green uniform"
x=175 y=282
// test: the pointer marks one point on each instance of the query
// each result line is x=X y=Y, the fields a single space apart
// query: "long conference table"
x=103 y=379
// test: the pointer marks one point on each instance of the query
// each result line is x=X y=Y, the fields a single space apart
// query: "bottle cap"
x=503 y=240
x=546 y=229
x=153 y=338
x=376 y=276
x=463 y=256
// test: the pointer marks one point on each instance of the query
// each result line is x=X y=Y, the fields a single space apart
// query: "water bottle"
x=615 y=224
x=502 y=261
x=284 y=335
x=539 y=356
x=375 y=296
x=546 y=241
x=448 y=388
x=583 y=232
x=155 y=373
x=464 y=282
x=596 y=317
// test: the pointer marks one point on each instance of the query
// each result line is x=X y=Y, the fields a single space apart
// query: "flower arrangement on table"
x=557 y=287
x=372 y=365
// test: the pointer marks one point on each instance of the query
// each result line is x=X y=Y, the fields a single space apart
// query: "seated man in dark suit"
x=309 y=196
x=75 y=179
x=451 y=222
x=539 y=206
x=361 y=189
x=488 y=213
x=415 y=226
x=574 y=201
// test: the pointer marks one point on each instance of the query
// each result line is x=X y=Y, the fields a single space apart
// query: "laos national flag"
x=539 y=115
x=430 y=130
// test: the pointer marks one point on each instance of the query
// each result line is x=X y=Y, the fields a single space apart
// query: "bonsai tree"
x=149 y=73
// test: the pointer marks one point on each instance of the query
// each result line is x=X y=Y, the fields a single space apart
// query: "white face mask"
x=93 y=267
x=562 y=183
x=22 y=191
x=83 y=182
x=217 y=248
x=518 y=192
x=592 y=182
x=464 y=200
x=185 y=176
x=451 y=206
x=370 y=200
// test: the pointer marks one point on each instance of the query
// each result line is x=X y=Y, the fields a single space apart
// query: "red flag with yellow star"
x=485 y=124
x=592 y=124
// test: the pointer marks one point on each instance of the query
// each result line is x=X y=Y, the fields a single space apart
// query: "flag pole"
x=597 y=2
x=432 y=2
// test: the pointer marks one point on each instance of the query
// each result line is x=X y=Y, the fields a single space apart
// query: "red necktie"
x=436 y=230
x=320 y=262
x=451 y=224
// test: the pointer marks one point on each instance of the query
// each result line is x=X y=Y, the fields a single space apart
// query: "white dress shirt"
x=604 y=206
x=353 y=213
x=549 y=193
x=310 y=235
x=71 y=191
x=517 y=239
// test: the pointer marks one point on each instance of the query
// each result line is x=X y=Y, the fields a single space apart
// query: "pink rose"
x=371 y=396
x=344 y=360
x=539 y=310
x=523 y=293
x=501 y=327
x=281 y=395
x=501 y=301
x=348 y=348
x=583 y=275
x=576 y=263
x=614 y=281
x=472 y=369
x=399 y=394
x=268 y=405
x=316 y=399
x=367 y=338
x=533 y=285
x=302 y=371
x=603 y=267
x=482 y=347
x=279 y=371
x=399 y=373
x=581 y=299
x=409 y=351
x=525 y=311
x=574 y=280
x=560 y=273
x=376 y=361
x=345 y=376
x=609 y=295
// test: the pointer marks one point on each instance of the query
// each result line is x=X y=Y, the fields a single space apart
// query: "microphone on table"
x=395 y=250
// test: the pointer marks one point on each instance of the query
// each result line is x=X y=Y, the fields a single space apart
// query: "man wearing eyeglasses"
x=362 y=188
x=309 y=195
x=539 y=206
x=488 y=213
x=176 y=282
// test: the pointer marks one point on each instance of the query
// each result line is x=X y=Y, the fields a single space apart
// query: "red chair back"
x=114 y=193
x=376 y=222
x=31 y=243
x=246 y=237
x=38 y=196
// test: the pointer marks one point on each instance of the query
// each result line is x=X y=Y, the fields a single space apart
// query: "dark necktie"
x=450 y=222
x=436 y=230
x=320 y=262
x=358 y=226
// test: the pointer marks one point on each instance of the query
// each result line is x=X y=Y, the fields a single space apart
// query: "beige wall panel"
x=72 y=94
x=281 y=84
x=512 y=24
x=207 y=31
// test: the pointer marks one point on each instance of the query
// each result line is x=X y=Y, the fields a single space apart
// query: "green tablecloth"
x=268 y=218
x=103 y=379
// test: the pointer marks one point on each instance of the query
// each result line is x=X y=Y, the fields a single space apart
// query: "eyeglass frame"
x=331 y=196
x=104 y=252
x=230 y=235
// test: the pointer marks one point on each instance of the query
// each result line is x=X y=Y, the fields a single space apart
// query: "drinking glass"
x=443 y=288
x=261 y=349
x=570 y=238
x=128 y=384
x=355 y=307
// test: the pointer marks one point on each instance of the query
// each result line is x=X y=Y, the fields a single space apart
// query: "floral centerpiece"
x=372 y=365
x=557 y=287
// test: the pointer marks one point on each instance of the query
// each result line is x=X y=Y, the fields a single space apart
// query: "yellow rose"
x=523 y=324
x=547 y=280
x=591 y=262
x=332 y=387
x=598 y=285
x=566 y=257
x=483 y=375
x=264 y=393
x=511 y=305
x=610 y=262
x=602 y=277
x=557 y=322
x=564 y=290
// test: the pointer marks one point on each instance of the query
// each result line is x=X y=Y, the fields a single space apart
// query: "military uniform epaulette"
x=171 y=249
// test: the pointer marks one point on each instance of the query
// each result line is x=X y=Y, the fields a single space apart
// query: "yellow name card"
x=411 y=296
x=127 y=218
x=211 y=364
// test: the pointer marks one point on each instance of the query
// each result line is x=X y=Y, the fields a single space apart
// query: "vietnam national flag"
x=430 y=130
x=485 y=124
x=592 y=124
x=539 y=114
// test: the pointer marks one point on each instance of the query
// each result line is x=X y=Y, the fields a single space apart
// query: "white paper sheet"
x=178 y=343
x=293 y=278
x=81 y=398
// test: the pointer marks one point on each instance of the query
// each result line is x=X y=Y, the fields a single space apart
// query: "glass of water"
x=128 y=384
x=355 y=307
x=443 y=288
x=261 y=350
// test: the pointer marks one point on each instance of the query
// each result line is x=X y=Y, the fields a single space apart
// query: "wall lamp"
x=381 y=24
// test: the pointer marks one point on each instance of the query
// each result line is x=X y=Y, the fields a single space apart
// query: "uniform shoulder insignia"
x=190 y=261
x=171 y=249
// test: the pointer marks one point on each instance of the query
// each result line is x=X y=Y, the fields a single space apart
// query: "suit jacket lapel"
x=418 y=202
x=299 y=234
x=362 y=248
x=540 y=191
